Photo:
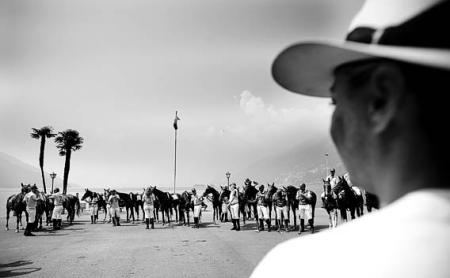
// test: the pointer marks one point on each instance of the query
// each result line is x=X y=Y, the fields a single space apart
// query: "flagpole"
x=175 y=168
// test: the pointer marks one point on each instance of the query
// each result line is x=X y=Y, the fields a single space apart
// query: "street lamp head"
x=53 y=175
x=228 y=174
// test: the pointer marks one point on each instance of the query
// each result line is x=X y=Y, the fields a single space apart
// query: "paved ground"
x=86 y=250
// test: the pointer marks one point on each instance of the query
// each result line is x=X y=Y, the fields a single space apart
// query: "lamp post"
x=228 y=178
x=53 y=176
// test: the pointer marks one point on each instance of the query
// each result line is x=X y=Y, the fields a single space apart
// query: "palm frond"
x=68 y=140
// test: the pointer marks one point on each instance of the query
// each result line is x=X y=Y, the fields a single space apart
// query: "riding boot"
x=268 y=225
x=114 y=221
x=152 y=222
x=26 y=232
x=92 y=219
x=118 y=220
x=55 y=225
x=59 y=224
x=234 y=224
x=238 y=221
x=302 y=226
x=261 y=225
x=311 y=225
x=279 y=225
x=95 y=219
x=147 y=223
x=286 y=225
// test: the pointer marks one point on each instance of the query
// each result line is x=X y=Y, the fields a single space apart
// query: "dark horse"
x=138 y=204
x=329 y=200
x=14 y=203
x=372 y=201
x=346 y=198
x=224 y=193
x=165 y=202
x=125 y=200
x=268 y=196
x=101 y=201
x=185 y=206
x=71 y=204
x=215 y=200
x=292 y=203
x=249 y=200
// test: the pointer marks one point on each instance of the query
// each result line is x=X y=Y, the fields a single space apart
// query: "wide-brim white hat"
x=412 y=31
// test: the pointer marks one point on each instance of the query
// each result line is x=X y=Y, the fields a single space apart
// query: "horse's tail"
x=78 y=206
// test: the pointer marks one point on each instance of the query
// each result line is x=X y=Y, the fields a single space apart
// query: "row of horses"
x=180 y=205
x=44 y=207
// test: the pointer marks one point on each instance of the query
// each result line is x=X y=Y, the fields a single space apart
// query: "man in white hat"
x=388 y=81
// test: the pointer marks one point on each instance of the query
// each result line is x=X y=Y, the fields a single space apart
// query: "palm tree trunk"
x=41 y=161
x=66 y=170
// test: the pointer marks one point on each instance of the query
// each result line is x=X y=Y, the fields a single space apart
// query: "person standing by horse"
x=234 y=207
x=114 y=208
x=304 y=208
x=197 y=202
x=57 y=208
x=149 y=208
x=93 y=203
x=281 y=208
x=31 y=199
x=263 y=212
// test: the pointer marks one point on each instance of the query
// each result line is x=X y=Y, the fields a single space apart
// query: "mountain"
x=14 y=171
x=306 y=163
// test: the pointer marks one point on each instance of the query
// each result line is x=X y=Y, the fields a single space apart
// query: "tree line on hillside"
x=66 y=141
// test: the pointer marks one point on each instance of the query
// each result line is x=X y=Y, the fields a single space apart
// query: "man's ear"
x=387 y=85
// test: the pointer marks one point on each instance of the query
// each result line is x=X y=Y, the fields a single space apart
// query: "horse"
x=224 y=193
x=249 y=200
x=185 y=206
x=14 y=203
x=346 y=198
x=101 y=201
x=292 y=202
x=41 y=209
x=71 y=204
x=137 y=203
x=359 y=200
x=330 y=204
x=372 y=201
x=268 y=197
x=165 y=202
x=175 y=206
x=124 y=201
x=215 y=200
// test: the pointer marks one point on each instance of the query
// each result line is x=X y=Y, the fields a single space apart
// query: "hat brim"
x=307 y=68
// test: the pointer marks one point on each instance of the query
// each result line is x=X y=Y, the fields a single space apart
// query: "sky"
x=117 y=71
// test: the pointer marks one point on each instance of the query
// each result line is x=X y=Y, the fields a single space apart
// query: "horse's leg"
x=18 y=218
x=295 y=217
x=352 y=212
x=7 y=219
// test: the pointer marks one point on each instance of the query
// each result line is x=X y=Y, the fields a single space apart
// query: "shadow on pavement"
x=17 y=269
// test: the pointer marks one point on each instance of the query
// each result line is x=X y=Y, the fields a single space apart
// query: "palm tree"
x=42 y=133
x=68 y=141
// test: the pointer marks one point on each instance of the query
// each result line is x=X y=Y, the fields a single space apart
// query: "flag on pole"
x=175 y=122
